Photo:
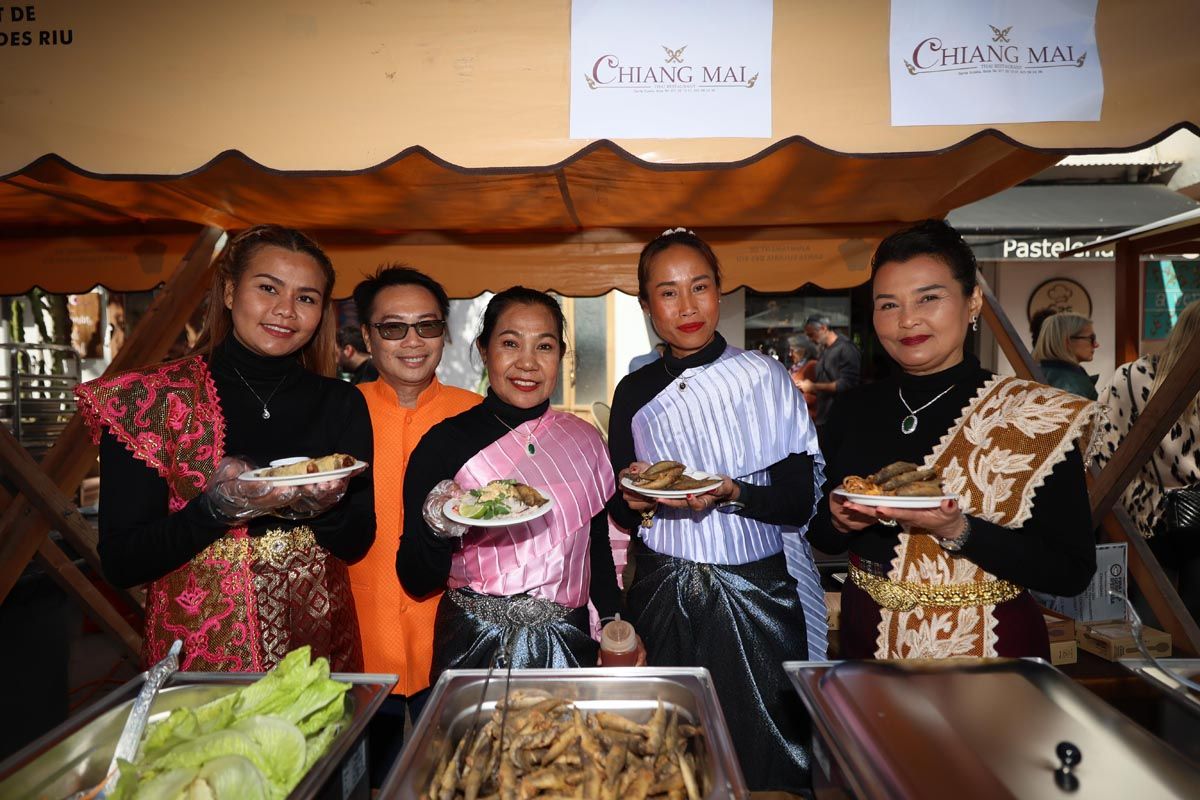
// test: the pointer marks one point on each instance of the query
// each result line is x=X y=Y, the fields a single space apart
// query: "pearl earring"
x=975 y=323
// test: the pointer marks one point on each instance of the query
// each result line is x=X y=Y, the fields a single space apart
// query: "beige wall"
x=1016 y=280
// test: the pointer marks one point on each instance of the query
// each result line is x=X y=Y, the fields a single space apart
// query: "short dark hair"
x=667 y=239
x=396 y=275
x=1037 y=321
x=934 y=238
x=520 y=295
x=351 y=335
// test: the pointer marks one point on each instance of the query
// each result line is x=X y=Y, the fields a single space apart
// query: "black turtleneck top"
x=1054 y=551
x=423 y=560
x=787 y=500
x=311 y=415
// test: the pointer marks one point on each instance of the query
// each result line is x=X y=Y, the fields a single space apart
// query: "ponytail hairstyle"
x=319 y=354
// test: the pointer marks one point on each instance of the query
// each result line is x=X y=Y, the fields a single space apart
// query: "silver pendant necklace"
x=682 y=385
x=909 y=424
x=266 y=412
x=530 y=441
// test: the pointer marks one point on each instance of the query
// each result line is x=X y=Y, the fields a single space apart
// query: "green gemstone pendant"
x=908 y=424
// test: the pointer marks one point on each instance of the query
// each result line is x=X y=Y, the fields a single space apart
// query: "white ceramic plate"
x=300 y=480
x=890 y=501
x=675 y=493
x=450 y=510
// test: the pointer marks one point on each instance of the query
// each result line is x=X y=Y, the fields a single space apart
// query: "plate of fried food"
x=898 y=485
x=497 y=504
x=301 y=470
x=670 y=479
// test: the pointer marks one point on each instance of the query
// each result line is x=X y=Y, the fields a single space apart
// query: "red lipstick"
x=690 y=327
x=913 y=341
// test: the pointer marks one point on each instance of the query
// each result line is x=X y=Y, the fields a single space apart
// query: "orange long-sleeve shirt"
x=397 y=629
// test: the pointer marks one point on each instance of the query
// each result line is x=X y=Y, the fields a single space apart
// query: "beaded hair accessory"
x=670 y=231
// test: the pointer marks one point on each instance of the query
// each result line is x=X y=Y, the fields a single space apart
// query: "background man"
x=353 y=357
x=838 y=367
x=404 y=323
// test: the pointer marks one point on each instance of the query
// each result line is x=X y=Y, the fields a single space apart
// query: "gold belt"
x=273 y=547
x=907 y=595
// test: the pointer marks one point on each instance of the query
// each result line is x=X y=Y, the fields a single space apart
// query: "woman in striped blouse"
x=722 y=580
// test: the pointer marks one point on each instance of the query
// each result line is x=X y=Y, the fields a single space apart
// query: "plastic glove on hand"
x=432 y=510
x=232 y=500
x=314 y=499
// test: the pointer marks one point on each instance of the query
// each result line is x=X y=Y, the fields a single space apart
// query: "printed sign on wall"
x=674 y=69
x=1007 y=61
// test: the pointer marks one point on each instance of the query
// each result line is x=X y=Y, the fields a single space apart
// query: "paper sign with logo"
x=670 y=70
x=981 y=63
x=1096 y=604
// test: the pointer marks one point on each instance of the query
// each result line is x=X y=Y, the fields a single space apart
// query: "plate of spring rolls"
x=670 y=479
x=898 y=485
x=301 y=470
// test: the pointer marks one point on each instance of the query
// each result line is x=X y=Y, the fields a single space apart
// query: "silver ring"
x=891 y=523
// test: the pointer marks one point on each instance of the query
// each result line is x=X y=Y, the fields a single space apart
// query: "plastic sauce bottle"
x=619 y=644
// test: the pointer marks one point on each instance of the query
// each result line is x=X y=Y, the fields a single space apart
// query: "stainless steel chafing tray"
x=76 y=754
x=1171 y=711
x=631 y=692
x=977 y=729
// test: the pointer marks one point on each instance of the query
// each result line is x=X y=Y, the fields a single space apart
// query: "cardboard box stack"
x=1114 y=640
x=1063 y=649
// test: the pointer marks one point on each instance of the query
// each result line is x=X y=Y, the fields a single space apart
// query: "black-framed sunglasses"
x=1090 y=337
x=426 y=328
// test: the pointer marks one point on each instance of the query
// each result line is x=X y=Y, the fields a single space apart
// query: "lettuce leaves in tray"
x=254 y=743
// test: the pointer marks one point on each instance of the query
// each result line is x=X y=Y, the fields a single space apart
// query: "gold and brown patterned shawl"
x=995 y=457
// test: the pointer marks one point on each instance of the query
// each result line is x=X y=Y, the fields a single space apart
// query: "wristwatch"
x=733 y=506
x=954 y=545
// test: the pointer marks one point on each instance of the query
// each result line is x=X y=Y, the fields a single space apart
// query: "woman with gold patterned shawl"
x=953 y=580
x=242 y=572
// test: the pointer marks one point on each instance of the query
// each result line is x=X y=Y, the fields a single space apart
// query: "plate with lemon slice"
x=498 y=504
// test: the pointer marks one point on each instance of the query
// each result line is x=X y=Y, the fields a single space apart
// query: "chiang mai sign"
x=670 y=70
x=1007 y=61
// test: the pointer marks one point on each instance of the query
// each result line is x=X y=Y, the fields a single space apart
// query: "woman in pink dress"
x=520 y=591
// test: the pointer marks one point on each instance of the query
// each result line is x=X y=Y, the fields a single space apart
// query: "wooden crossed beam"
x=45 y=489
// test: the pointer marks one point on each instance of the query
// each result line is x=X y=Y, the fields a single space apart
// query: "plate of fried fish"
x=898 y=485
x=497 y=504
x=671 y=479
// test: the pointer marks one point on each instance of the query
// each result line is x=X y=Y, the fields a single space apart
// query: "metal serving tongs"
x=457 y=760
x=1136 y=625
x=135 y=725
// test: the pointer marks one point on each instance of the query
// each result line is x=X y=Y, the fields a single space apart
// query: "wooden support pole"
x=64 y=572
x=1177 y=390
x=1128 y=293
x=1145 y=570
x=66 y=464
x=44 y=495
x=1007 y=336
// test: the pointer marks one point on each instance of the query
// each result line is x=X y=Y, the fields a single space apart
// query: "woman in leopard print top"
x=1176 y=460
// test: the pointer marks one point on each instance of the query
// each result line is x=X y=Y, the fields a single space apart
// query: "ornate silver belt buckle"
x=526 y=610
